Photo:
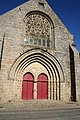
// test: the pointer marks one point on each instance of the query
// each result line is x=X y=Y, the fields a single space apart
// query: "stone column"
x=52 y=90
x=55 y=90
x=35 y=90
x=48 y=90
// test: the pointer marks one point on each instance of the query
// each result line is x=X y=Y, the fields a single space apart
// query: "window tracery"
x=38 y=30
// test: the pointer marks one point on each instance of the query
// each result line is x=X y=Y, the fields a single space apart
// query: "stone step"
x=37 y=104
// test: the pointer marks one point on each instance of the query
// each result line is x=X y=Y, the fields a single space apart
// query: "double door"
x=28 y=87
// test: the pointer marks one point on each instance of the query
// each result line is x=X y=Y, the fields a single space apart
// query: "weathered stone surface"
x=19 y=58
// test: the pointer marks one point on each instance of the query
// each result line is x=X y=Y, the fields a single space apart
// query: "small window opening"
x=39 y=41
x=31 y=41
x=35 y=42
x=48 y=43
x=43 y=42
x=26 y=41
x=41 y=5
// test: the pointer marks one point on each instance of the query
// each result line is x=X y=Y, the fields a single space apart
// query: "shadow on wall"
x=72 y=71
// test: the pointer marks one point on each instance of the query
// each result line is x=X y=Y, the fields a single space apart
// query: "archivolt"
x=36 y=55
x=41 y=56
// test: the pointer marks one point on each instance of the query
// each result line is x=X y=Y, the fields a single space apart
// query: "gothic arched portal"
x=51 y=66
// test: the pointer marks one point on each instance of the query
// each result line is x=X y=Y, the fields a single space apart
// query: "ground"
x=53 y=114
x=40 y=110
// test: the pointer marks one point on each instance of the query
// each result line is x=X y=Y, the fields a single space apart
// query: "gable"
x=53 y=30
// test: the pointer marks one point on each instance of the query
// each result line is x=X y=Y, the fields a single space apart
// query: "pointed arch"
x=51 y=64
x=42 y=77
x=28 y=76
x=38 y=30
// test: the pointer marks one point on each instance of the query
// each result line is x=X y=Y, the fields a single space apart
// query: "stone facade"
x=34 y=40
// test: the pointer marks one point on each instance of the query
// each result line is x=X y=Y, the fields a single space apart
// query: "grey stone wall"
x=11 y=23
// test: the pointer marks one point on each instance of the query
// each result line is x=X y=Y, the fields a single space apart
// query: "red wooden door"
x=42 y=87
x=27 y=86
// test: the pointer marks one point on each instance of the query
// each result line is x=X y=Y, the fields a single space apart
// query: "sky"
x=67 y=10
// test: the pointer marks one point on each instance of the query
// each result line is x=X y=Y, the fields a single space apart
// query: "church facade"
x=38 y=58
